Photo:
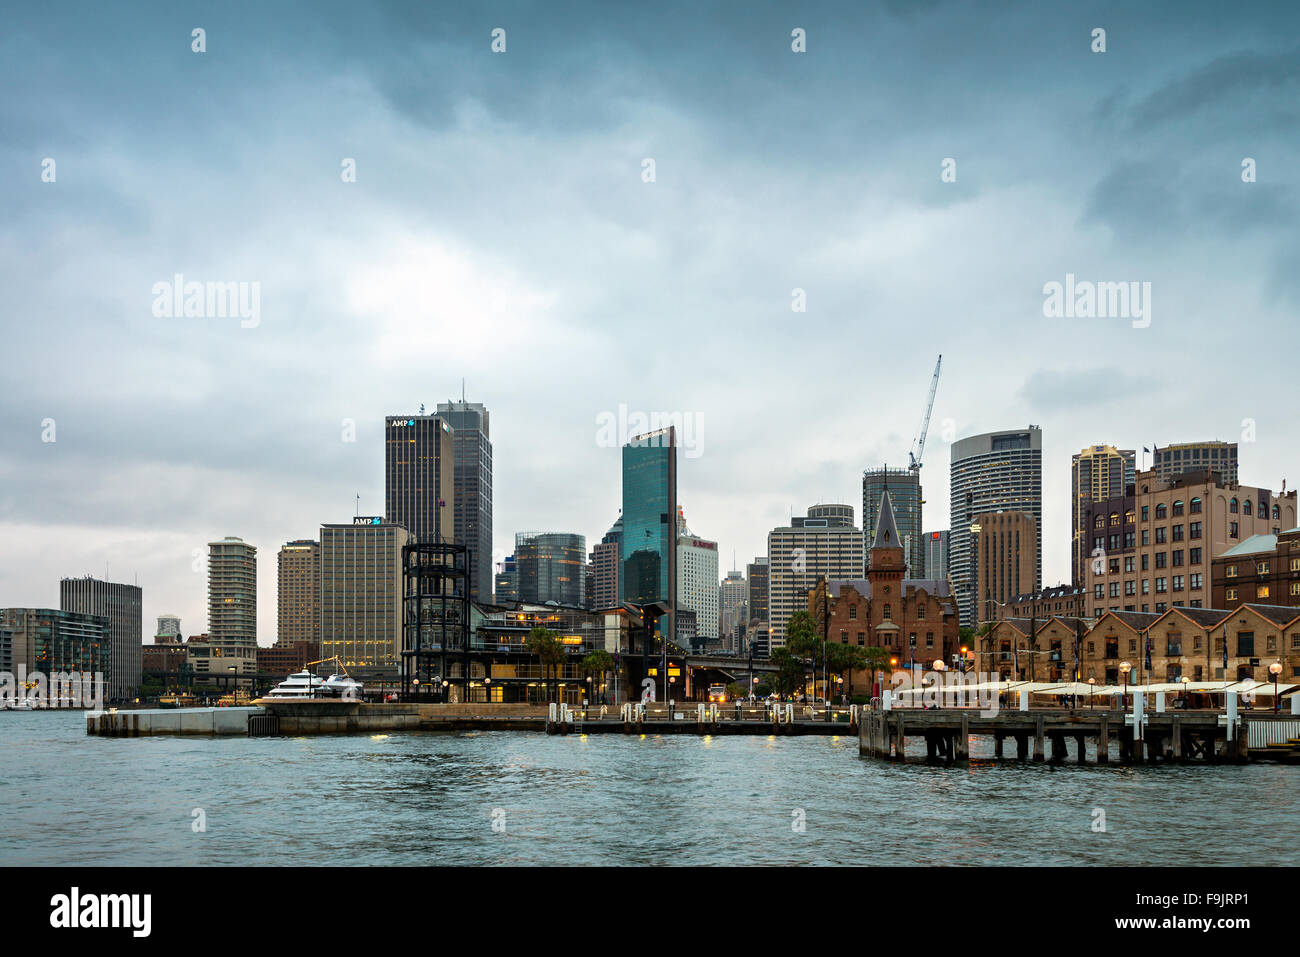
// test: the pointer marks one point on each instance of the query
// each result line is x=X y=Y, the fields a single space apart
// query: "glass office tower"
x=649 y=519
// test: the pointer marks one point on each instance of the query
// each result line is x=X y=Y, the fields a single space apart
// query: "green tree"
x=598 y=663
x=735 y=691
x=804 y=641
x=790 y=673
x=550 y=652
x=842 y=658
x=877 y=660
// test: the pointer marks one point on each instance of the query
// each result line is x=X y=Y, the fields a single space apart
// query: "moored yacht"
x=305 y=685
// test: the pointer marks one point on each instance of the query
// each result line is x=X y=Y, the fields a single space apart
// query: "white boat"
x=300 y=684
x=22 y=704
x=303 y=685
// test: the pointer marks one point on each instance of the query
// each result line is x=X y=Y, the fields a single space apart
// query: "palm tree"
x=598 y=662
x=546 y=645
x=877 y=659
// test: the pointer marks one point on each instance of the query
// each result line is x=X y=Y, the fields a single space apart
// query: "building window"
x=1161 y=586
x=1245 y=507
x=1114 y=589
x=844 y=637
x=1178 y=583
x=1146 y=536
x=920 y=611
x=1098 y=591
x=929 y=639
x=1128 y=517
x=1130 y=588
x=1245 y=644
x=1196 y=506
x=1162 y=559
x=1146 y=510
x=1177 y=558
x=1230 y=594
x=1261 y=568
x=886 y=614
x=1194 y=556
x=1178 y=509
x=1162 y=511
x=1197 y=581
x=862 y=639
x=1146 y=562
x=1232 y=505
x=1178 y=533
x=1276 y=513
x=1232 y=530
x=853 y=612
x=1261 y=591
x=1128 y=567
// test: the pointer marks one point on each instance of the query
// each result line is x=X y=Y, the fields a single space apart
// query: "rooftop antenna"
x=462 y=391
x=422 y=408
x=358 y=505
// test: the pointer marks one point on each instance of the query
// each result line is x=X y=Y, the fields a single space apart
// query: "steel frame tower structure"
x=435 y=618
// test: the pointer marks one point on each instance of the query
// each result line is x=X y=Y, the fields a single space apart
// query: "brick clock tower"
x=886 y=581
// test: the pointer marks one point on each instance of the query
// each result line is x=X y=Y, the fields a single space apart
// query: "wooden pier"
x=1050 y=735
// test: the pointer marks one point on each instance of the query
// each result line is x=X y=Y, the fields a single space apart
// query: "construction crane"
x=918 y=444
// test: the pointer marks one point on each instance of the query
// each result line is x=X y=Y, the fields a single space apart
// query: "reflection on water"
x=430 y=799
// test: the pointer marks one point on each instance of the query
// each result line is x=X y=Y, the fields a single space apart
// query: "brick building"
x=1152 y=549
x=1189 y=642
x=914 y=619
x=1064 y=600
x=1263 y=568
x=1032 y=649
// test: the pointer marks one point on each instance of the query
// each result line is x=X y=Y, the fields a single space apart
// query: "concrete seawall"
x=144 y=723
x=341 y=717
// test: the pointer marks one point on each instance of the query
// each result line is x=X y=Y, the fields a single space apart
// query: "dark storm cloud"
x=499 y=230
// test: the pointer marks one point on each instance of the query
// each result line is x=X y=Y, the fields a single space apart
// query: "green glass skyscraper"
x=650 y=520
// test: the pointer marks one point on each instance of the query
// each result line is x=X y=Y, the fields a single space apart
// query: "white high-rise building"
x=734 y=600
x=823 y=544
x=697 y=580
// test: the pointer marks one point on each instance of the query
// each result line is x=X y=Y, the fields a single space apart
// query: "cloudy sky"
x=500 y=229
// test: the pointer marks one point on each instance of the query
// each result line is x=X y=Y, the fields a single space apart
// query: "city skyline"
x=382 y=294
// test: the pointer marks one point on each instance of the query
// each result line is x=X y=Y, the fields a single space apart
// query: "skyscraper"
x=649 y=521
x=605 y=558
x=121 y=605
x=506 y=586
x=905 y=495
x=992 y=472
x=1005 y=546
x=823 y=544
x=419 y=476
x=298 y=593
x=733 y=608
x=756 y=575
x=935 y=555
x=169 y=627
x=697 y=581
x=232 y=592
x=551 y=566
x=472 y=453
x=1097 y=473
x=1170 y=460
x=361 y=592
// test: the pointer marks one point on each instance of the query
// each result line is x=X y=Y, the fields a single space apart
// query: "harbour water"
x=517 y=798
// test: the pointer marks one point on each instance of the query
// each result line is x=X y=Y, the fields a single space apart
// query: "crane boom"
x=918 y=444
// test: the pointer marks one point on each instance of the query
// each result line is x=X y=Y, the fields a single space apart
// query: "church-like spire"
x=886 y=530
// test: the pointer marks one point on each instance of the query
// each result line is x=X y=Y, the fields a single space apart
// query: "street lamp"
x=1092 y=683
x=1124 y=668
x=1275 y=669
